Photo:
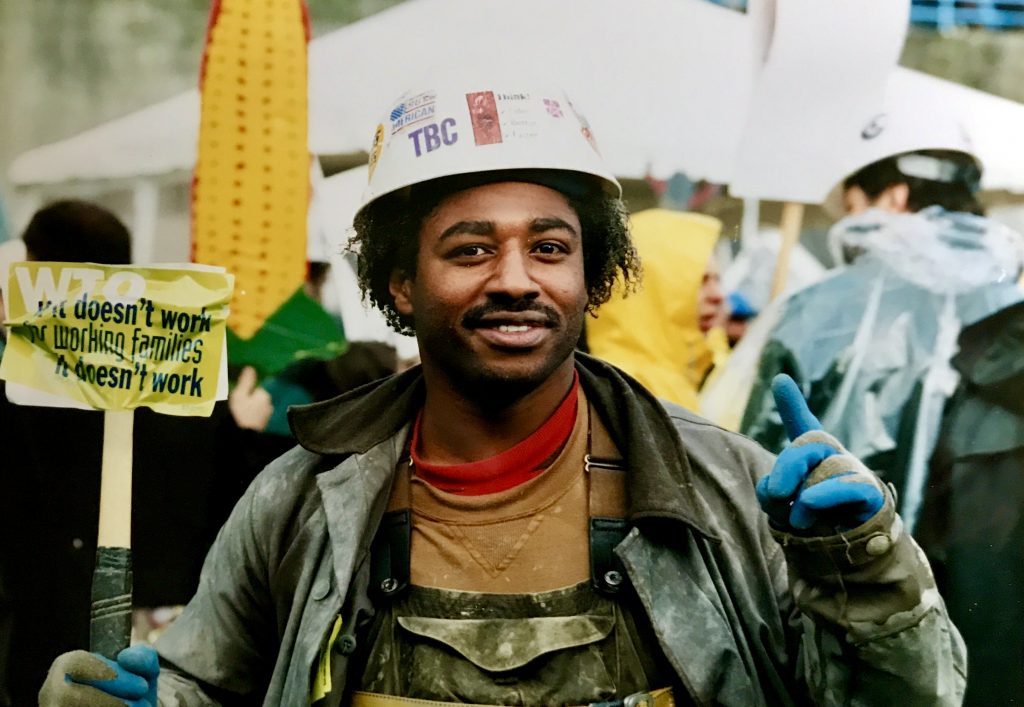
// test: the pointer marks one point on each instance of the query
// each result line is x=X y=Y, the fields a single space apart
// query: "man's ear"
x=400 y=287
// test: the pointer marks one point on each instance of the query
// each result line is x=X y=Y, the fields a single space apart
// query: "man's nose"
x=512 y=277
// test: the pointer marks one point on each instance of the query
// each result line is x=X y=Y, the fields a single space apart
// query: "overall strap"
x=392 y=544
x=606 y=479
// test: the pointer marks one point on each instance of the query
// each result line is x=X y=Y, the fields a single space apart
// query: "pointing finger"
x=796 y=416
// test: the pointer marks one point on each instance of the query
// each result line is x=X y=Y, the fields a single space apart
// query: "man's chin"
x=524 y=376
x=506 y=381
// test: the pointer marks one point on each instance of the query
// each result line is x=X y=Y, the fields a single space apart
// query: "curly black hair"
x=387 y=239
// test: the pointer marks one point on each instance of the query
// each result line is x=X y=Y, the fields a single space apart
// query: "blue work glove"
x=83 y=679
x=815 y=482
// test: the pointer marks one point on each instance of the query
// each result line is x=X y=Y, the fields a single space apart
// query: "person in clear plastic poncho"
x=880 y=346
x=871 y=345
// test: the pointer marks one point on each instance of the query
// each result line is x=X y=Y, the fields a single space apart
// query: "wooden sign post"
x=792 y=220
x=110 y=625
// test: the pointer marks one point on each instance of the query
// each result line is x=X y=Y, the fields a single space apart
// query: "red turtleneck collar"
x=508 y=469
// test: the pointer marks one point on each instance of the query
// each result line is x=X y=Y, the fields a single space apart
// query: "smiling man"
x=514 y=523
x=498 y=292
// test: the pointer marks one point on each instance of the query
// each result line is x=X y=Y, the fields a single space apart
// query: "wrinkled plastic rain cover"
x=872 y=343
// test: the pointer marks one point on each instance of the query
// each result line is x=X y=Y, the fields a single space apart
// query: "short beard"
x=493 y=391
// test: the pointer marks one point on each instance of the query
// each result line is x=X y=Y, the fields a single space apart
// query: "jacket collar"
x=661 y=472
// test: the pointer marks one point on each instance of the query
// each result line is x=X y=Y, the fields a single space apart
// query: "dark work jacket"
x=972 y=526
x=741 y=621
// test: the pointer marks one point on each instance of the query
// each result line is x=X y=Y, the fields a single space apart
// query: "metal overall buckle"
x=637 y=699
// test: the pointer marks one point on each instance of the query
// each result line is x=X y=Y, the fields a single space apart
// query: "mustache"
x=477 y=315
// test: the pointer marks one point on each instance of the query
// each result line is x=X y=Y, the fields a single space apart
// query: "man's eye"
x=469 y=251
x=550 y=248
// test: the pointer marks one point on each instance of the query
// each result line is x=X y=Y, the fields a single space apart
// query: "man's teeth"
x=513 y=327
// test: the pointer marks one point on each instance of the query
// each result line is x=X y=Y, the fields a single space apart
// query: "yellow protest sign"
x=118 y=337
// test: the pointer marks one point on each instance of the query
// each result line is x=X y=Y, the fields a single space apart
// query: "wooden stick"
x=792 y=219
x=116 y=480
x=111 y=621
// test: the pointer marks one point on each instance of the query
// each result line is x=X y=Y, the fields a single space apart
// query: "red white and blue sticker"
x=417 y=109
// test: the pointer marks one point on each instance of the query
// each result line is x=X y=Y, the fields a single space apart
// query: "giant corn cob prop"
x=250 y=194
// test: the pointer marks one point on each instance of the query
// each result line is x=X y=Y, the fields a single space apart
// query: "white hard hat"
x=902 y=133
x=466 y=127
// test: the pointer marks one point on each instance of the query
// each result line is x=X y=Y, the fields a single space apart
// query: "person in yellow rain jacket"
x=660 y=334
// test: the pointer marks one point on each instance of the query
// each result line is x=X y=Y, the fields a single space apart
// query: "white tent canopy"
x=356 y=71
x=156 y=140
x=666 y=85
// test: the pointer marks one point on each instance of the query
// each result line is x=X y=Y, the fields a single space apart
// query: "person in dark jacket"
x=972 y=525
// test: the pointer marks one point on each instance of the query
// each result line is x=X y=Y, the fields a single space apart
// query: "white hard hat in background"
x=462 y=127
x=900 y=132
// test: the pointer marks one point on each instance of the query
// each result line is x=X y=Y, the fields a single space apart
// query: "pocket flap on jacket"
x=497 y=645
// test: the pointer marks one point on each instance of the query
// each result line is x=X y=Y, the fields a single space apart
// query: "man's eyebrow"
x=550 y=223
x=474 y=228
x=486 y=228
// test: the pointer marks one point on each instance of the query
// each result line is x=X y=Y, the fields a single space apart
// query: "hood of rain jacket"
x=653 y=333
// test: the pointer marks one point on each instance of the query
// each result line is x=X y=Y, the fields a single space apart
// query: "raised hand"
x=815 y=482
x=250 y=404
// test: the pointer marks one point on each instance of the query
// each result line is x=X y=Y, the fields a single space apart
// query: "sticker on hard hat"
x=378 y=145
x=585 y=128
x=875 y=127
x=483 y=114
x=430 y=137
x=553 y=108
x=413 y=110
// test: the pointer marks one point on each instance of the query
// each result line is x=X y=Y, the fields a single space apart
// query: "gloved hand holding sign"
x=90 y=680
x=815 y=482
